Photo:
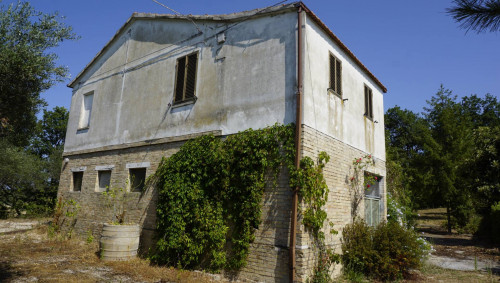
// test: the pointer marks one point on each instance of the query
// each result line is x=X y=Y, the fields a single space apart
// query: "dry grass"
x=30 y=256
x=430 y=273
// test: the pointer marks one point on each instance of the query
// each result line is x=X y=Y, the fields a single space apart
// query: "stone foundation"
x=268 y=260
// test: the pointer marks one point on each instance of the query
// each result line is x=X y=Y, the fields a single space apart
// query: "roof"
x=234 y=17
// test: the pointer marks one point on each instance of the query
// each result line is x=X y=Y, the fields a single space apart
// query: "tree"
x=50 y=132
x=29 y=178
x=446 y=153
x=21 y=177
x=406 y=133
x=478 y=15
x=27 y=67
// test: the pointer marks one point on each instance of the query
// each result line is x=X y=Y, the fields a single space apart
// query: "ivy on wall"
x=210 y=194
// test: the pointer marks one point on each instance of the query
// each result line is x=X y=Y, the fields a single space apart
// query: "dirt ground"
x=28 y=254
x=458 y=252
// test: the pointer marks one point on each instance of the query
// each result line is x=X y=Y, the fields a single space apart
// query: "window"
x=335 y=76
x=372 y=201
x=103 y=180
x=368 y=102
x=137 y=179
x=185 y=81
x=86 y=111
x=77 y=181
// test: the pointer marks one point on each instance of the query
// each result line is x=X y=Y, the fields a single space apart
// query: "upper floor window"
x=185 y=81
x=368 y=102
x=86 y=110
x=335 y=75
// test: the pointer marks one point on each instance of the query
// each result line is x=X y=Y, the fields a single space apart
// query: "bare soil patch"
x=29 y=255
x=458 y=252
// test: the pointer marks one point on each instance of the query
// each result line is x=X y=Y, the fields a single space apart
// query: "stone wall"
x=337 y=173
x=268 y=259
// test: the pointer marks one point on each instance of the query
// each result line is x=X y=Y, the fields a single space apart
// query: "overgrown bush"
x=386 y=252
x=399 y=213
x=210 y=193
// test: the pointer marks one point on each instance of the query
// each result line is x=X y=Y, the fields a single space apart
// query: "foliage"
x=386 y=252
x=478 y=15
x=64 y=218
x=446 y=157
x=117 y=200
x=313 y=191
x=27 y=67
x=399 y=213
x=314 y=195
x=29 y=178
x=21 y=177
x=495 y=223
x=210 y=194
x=31 y=150
x=359 y=182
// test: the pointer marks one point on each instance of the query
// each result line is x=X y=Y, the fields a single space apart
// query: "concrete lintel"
x=138 y=165
x=104 y=167
x=78 y=169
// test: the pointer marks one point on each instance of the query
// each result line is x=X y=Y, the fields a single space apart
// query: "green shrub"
x=357 y=247
x=386 y=252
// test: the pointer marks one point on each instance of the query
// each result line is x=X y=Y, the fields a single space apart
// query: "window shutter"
x=179 y=84
x=338 y=71
x=366 y=101
x=370 y=103
x=191 y=76
x=332 y=73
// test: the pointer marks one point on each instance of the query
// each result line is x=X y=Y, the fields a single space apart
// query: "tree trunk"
x=448 y=214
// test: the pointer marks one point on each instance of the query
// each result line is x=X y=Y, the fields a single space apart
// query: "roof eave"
x=341 y=45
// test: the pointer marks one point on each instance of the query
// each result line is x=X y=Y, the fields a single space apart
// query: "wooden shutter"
x=179 y=84
x=338 y=77
x=332 y=73
x=191 y=76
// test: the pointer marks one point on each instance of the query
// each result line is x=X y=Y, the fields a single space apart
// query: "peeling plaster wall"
x=325 y=111
x=246 y=82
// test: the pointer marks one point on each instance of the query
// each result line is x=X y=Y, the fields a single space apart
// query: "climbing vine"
x=210 y=193
x=314 y=195
x=360 y=181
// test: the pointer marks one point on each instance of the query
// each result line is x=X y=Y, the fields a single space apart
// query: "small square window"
x=368 y=102
x=103 y=180
x=137 y=179
x=335 y=84
x=77 y=181
x=185 y=81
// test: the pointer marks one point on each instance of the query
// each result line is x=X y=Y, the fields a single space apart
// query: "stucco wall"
x=246 y=82
x=325 y=111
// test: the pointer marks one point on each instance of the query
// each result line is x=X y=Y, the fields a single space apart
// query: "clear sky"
x=411 y=46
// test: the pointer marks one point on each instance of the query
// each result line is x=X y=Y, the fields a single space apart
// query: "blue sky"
x=412 y=47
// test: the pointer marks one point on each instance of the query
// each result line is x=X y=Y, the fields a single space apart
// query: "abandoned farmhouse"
x=164 y=79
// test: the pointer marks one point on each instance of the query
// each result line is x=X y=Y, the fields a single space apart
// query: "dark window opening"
x=104 y=180
x=77 y=181
x=185 y=82
x=137 y=179
x=335 y=84
x=368 y=102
